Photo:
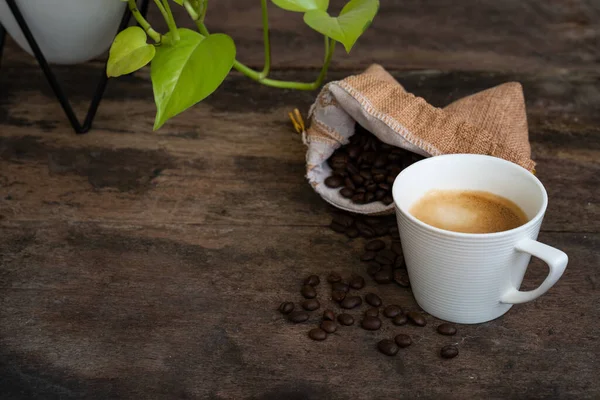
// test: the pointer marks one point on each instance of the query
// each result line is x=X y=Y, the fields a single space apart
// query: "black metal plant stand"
x=51 y=78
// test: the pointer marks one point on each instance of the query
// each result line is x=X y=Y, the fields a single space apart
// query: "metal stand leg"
x=50 y=77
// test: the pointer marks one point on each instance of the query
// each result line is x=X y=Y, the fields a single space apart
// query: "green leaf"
x=354 y=19
x=129 y=52
x=180 y=2
x=188 y=71
x=302 y=5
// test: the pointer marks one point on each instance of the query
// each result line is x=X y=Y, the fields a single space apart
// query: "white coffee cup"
x=471 y=277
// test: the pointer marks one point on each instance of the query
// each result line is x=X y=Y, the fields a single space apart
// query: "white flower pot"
x=67 y=31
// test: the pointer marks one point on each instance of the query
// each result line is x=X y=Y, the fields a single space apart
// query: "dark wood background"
x=140 y=264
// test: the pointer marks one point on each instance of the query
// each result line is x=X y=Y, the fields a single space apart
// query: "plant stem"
x=190 y=10
x=142 y=22
x=266 y=39
x=170 y=20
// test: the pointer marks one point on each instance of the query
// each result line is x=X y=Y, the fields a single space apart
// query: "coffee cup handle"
x=557 y=262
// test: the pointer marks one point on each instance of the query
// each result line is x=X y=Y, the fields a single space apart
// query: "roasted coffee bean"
x=371 y=187
x=343 y=219
x=334 y=277
x=380 y=230
x=401 y=279
x=449 y=351
x=371 y=323
x=352 y=169
x=311 y=304
x=334 y=181
x=366 y=174
x=379 y=194
x=357 y=282
x=338 y=160
x=340 y=286
x=369 y=198
x=375 y=245
x=387 y=347
x=386 y=257
x=308 y=292
x=387 y=200
x=368 y=157
x=392 y=310
x=328 y=326
x=403 y=340
x=337 y=227
x=368 y=256
x=373 y=268
x=351 y=302
x=357 y=179
x=345 y=319
x=347 y=193
x=399 y=263
x=393 y=169
x=353 y=151
x=416 y=318
x=378 y=178
x=328 y=315
x=390 y=179
x=352 y=232
x=393 y=157
x=359 y=198
x=298 y=316
x=373 y=300
x=446 y=329
x=286 y=307
x=383 y=276
x=399 y=320
x=365 y=230
x=317 y=334
x=360 y=190
x=338 y=295
x=312 y=280
x=349 y=184
x=384 y=186
x=378 y=171
x=372 y=221
x=380 y=161
x=372 y=312
x=397 y=248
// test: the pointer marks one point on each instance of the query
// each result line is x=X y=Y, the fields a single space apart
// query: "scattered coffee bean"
x=400 y=278
x=351 y=302
x=371 y=323
x=334 y=277
x=392 y=311
x=373 y=300
x=400 y=320
x=368 y=256
x=373 y=268
x=343 y=219
x=311 y=304
x=375 y=245
x=328 y=315
x=372 y=312
x=357 y=282
x=380 y=230
x=400 y=264
x=365 y=230
x=308 y=292
x=345 y=319
x=387 y=347
x=338 y=295
x=446 y=329
x=312 y=280
x=328 y=326
x=337 y=227
x=449 y=351
x=416 y=318
x=286 y=307
x=403 y=340
x=317 y=334
x=298 y=316
x=383 y=276
x=386 y=256
x=352 y=232
x=334 y=181
x=397 y=248
x=340 y=286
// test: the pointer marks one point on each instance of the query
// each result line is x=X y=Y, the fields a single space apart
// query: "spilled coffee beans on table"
x=364 y=169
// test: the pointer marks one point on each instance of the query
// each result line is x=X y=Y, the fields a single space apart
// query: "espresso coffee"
x=468 y=211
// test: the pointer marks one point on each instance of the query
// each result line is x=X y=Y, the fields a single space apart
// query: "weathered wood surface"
x=140 y=264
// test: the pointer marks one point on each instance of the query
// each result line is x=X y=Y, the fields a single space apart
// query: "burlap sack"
x=490 y=122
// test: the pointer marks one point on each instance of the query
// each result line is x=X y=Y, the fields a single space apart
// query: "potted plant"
x=67 y=31
x=188 y=65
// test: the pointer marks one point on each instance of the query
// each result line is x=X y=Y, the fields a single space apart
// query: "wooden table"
x=142 y=265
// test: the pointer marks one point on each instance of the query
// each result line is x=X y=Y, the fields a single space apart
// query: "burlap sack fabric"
x=491 y=122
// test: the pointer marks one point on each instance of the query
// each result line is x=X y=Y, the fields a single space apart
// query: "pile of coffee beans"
x=365 y=168
x=367 y=227
x=345 y=295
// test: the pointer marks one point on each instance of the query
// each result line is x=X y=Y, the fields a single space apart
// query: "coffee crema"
x=468 y=211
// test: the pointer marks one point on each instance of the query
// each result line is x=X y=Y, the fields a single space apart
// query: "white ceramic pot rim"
x=452 y=234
